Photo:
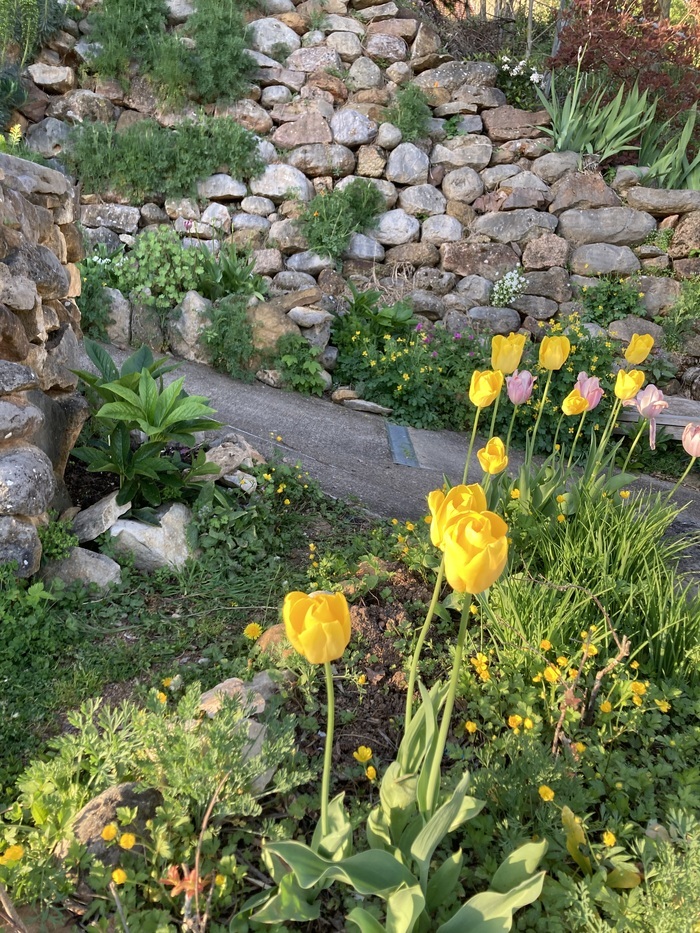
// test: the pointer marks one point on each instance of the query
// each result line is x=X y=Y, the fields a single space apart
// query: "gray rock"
x=663 y=202
x=27 y=483
x=453 y=75
x=492 y=177
x=408 y=165
x=83 y=566
x=434 y=280
x=514 y=226
x=370 y=408
x=489 y=260
x=494 y=320
x=117 y=217
x=316 y=59
x=18 y=418
x=17 y=291
x=221 y=187
x=183 y=208
x=400 y=73
x=364 y=247
x=90 y=523
x=309 y=262
x=463 y=151
x=186 y=326
x=179 y=11
x=269 y=35
x=279 y=180
x=422 y=199
x=364 y=74
x=155 y=546
x=48 y=138
x=289 y=281
x=476 y=289
x=245 y=221
x=309 y=317
x=54 y=78
x=626 y=327
x=19 y=543
x=217 y=217
x=441 y=229
x=352 y=129
x=287 y=237
x=275 y=94
x=553 y=284
x=377 y=12
x=263 y=207
x=546 y=251
x=389 y=136
x=541 y=309
x=385 y=48
x=395 y=228
x=81 y=105
x=41 y=266
x=603 y=259
x=14 y=378
x=320 y=159
x=464 y=184
x=346 y=44
x=119 y=326
x=660 y=293
x=619 y=226
x=551 y=166
x=427 y=303
x=101 y=236
x=153 y=214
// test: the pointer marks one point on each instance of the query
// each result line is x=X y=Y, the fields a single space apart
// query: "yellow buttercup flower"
x=119 y=876
x=551 y=674
x=574 y=403
x=515 y=494
x=317 y=624
x=371 y=773
x=362 y=754
x=476 y=551
x=109 y=832
x=12 y=854
x=609 y=839
x=627 y=384
x=161 y=697
x=638 y=688
x=639 y=348
x=663 y=705
x=506 y=352
x=485 y=387
x=253 y=631
x=493 y=457
x=470 y=726
x=220 y=880
x=554 y=352
x=444 y=507
x=528 y=723
x=606 y=706
x=545 y=644
x=546 y=793
x=624 y=493
x=127 y=840
x=515 y=721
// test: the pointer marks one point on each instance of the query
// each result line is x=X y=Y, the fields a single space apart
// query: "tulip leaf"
x=423 y=726
x=378 y=835
x=575 y=840
x=371 y=872
x=519 y=866
x=398 y=796
x=364 y=921
x=492 y=911
x=403 y=908
x=443 y=881
x=337 y=844
x=437 y=827
x=290 y=902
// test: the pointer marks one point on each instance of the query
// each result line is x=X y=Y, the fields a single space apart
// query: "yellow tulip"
x=506 y=352
x=485 y=387
x=554 y=352
x=317 y=625
x=628 y=384
x=444 y=507
x=493 y=457
x=574 y=403
x=639 y=348
x=476 y=551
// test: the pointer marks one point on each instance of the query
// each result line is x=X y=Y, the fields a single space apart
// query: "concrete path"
x=348 y=452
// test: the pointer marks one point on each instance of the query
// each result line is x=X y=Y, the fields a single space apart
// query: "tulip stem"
x=436 y=766
x=493 y=415
x=471 y=446
x=510 y=428
x=541 y=408
x=642 y=425
x=609 y=427
x=687 y=470
x=413 y=671
x=328 y=755
x=556 y=433
x=576 y=437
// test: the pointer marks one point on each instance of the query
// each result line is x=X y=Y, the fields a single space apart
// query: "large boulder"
x=519 y=226
x=318 y=159
x=279 y=180
x=603 y=259
x=270 y=36
x=408 y=165
x=663 y=202
x=27 y=482
x=620 y=226
x=488 y=260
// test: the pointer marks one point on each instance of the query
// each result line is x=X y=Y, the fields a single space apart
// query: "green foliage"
x=410 y=112
x=95 y=276
x=660 y=238
x=518 y=80
x=610 y=300
x=592 y=127
x=330 y=219
x=57 y=539
x=452 y=126
x=229 y=338
x=26 y=24
x=125 y=30
x=298 y=363
x=669 y=165
x=681 y=320
x=159 y=271
x=148 y=159
x=222 y=67
x=12 y=94
x=230 y=273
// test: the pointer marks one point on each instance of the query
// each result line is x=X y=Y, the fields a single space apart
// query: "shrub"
x=610 y=300
x=26 y=25
x=410 y=112
x=125 y=30
x=95 y=275
x=330 y=219
x=229 y=338
x=222 y=67
x=149 y=159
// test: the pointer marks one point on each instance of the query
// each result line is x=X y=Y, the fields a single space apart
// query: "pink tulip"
x=520 y=386
x=691 y=440
x=589 y=387
x=650 y=403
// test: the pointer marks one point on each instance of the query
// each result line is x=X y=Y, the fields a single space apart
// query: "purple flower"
x=520 y=386
x=434 y=354
x=649 y=403
x=458 y=336
x=419 y=327
x=589 y=387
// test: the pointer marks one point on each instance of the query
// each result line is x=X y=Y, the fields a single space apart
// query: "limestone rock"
x=308 y=129
x=315 y=59
x=660 y=293
x=155 y=546
x=603 y=259
x=370 y=408
x=315 y=160
x=268 y=35
x=582 y=190
x=553 y=284
x=517 y=226
x=364 y=247
x=371 y=161
x=619 y=226
x=221 y=187
x=395 y=228
x=48 y=138
x=489 y=260
x=269 y=323
x=472 y=151
x=16 y=291
x=19 y=544
x=626 y=327
x=310 y=262
x=14 y=345
x=40 y=265
x=553 y=165
x=18 y=418
x=545 y=251
x=27 y=482
x=278 y=180
x=352 y=129
x=364 y=73
x=661 y=202
x=441 y=228
x=117 y=217
x=686 y=236
x=408 y=165
x=506 y=123
x=54 y=78
x=83 y=566
x=422 y=200
x=475 y=289
x=15 y=378
x=267 y=261
x=384 y=48
x=90 y=523
x=453 y=75
x=232 y=453
x=541 y=309
x=81 y=105
x=463 y=184
x=119 y=326
x=494 y=320
x=186 y=325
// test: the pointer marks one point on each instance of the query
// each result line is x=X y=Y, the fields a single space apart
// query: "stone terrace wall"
x=40 y=415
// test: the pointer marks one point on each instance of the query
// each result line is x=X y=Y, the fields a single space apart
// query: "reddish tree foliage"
x=633 y=40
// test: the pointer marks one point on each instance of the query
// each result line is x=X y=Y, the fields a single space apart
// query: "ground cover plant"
x=331 y=217
x=570 y=693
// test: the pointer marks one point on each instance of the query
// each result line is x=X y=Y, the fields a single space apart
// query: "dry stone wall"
x=40 y=415
x=460 y=210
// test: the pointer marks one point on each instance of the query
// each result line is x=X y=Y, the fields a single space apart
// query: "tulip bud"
x=554 y=352
x=691 y=440
x=520 y=387
x=493 y=457
x=317 y=625
x=443 y=508
x=589 y=387
x=485 y=387
x=650 y=403
x=639 y=348
x=506 y=352
x=574 y=403
x=628 y=384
